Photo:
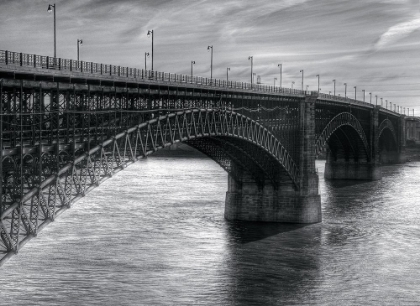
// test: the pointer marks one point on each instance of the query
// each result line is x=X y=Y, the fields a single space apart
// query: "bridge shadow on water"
x=272 y=263
x=244 y=232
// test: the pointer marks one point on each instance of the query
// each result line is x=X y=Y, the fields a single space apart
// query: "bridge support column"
x=246 y=200
x=347 y=170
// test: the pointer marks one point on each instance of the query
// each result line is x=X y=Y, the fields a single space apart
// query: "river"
x=154 y=234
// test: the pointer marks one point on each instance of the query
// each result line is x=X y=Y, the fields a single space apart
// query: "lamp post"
x=227 y=74
x=211 y=61
x=275 y=79
x=293 y=83
x=49 y=10
x=370 y=97
x=150 y=32
x=146 y=54
x=345 y=90
x=376 y=103
x=382 y=102
x=318 y=81
x=386 y=103
x=364 y=95
x=281 y=72
x=355 y=89
x=302 y=78
x=79 y=42
x=192 y=70
x=251 y=58
x=334 y=86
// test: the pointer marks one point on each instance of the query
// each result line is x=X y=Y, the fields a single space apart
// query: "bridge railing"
x=353 y=101
x=47 y=62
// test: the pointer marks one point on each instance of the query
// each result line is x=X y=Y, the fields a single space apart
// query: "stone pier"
x=248 y=201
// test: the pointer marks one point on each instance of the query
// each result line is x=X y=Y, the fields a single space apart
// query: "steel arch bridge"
x=67 y=126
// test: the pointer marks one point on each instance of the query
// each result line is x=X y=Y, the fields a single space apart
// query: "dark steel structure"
x=66 y=126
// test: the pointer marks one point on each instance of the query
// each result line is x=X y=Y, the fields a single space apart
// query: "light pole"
x=251 y=58
x=79 y=42
x=382 y=102
x=211 y=61
x=370 y=99
x=49 y=10
x=146 y=54
x=302 y=78
x=192 y=71
x=318 y=76
x=275 y=79
x=293 y=83
x=150 y=32
x=376 y=103
x=364 y=95
x=334 y=86
x=227 y=74
x=345 y=90
x=281 y=72
x=386 y=103
x=355 y=93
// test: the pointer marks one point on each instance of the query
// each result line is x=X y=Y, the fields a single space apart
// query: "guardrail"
x=48 y=62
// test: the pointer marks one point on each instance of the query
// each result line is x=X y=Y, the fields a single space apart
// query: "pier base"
x=251 y=203
x=352 y=171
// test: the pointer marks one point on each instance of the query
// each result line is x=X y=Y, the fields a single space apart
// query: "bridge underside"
x=259 y=188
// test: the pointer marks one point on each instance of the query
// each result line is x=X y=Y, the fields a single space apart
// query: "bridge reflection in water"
x=67 y=126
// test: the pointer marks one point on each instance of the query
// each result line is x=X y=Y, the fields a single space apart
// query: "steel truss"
x=52 y=190
x=340 y=120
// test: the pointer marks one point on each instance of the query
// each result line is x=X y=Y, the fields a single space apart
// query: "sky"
x=371 y=44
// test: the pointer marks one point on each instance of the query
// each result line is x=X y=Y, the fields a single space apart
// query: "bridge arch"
x=388 y=148
x=344 y=133
x=229 y=132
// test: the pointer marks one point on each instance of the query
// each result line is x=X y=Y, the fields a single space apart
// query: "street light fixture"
x=345 y=90
x=252 y=64
x=146 y=54
x=364 y=95
x=376 y=103
x=370 y=99
x=79 y=43
x=281 y=72
x=302 y=78
x=318 y=76
x=334 y=86
x=227 y=74
x=211 y=62
x=355 y=93
x=192 y=71
x=150 y=32
x=49 y=10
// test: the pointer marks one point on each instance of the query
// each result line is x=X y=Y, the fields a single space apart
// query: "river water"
x=154 y=234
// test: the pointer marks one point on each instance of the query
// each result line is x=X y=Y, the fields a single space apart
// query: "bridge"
x=66 y=126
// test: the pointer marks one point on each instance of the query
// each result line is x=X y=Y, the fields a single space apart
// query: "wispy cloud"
x=398 y=32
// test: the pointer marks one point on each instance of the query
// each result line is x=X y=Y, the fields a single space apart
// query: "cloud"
x=398 y=32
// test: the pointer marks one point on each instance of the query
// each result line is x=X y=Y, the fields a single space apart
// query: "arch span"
x=388 y=148
x=345 y=133
x=229 y=132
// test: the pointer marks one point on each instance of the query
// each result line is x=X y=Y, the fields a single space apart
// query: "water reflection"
x=271 y=264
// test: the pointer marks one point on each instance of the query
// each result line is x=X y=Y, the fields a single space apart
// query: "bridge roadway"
x=67 y=126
